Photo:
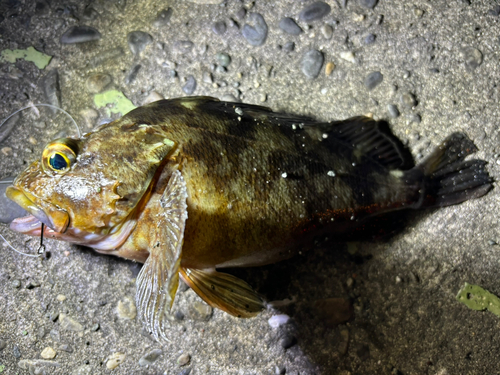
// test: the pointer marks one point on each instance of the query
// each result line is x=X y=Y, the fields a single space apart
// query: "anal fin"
x=224 y=291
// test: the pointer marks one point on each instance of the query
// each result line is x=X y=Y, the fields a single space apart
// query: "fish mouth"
x=46 y=213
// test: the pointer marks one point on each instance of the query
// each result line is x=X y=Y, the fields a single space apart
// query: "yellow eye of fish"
x=59 y=155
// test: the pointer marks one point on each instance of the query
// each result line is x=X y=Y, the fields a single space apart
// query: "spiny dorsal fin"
x=372 y=139
x=224 y=291
x=159 y=277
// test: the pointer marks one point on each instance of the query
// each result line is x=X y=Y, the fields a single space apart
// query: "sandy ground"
x=406 y=318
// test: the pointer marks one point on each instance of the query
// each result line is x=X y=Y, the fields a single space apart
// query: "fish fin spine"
x=449 y=178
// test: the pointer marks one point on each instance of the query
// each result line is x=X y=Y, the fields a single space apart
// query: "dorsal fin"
x=371 y=138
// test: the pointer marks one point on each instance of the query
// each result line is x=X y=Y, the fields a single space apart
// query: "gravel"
x=138 y=41
x=373 y=79
x=311 y=64
x=80 y=34
x=255 y=35
x=314 y=11
x=289 y=26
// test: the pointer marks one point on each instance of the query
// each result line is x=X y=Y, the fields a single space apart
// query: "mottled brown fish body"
x=260 y=185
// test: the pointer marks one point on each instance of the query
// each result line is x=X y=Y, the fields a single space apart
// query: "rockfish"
x=188 y=186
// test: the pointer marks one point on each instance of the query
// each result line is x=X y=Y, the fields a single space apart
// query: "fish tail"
x=449 y=178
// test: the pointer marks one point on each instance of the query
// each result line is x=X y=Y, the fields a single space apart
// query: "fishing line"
x=41 y=248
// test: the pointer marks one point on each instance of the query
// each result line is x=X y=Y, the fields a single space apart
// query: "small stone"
x=373 y=79
x=16 y=352
x=315 y=11
x=150 y=358
x=97 y=83
x=55 y=335
x=32 y=284
x=289 y=46
x=329 y=68
x=393 y=111
x=16 y=283
x=414 y=118
x=219 y=28
x=69 y=324
x=223 y=59
x=163 y=17
x=80 y=34
x=66 y=348
x=95 y=327
x=183 y=46
x=333 y=311
x=278 y=320
x=255 y=35
x=241 y=13
x=495 y=11
x=8 y=125
x=349 y=283
x=179 y=315
x=327 y=31
x=89 y=14
x=7 y=151
x=473 y=58
x=132 y=74
x=185 y=371
x=48 y=353
x=207 y=77
x=344 y=343
x=190 y=85
x=3 y=344
x=370 y=39
x=126 y=309
x=348 y=56
x=262 y=98
x=61 y=297
x=418 y=12
x=289 y=26
x=311 y=64
x=370 y=4
x=183 y=359
x=114 y=360
x=200 y=311
x=51 y=89
x=229 y=98
x=288 y=341
x=152 y=97
x=138 y=41
x=408 y=100
x=32 y=140
x=89 y=116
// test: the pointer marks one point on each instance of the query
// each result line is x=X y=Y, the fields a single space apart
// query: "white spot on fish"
x=331 y=173
x=397 y=173
x=325 y=136
x=238 y=111
x=284 y=175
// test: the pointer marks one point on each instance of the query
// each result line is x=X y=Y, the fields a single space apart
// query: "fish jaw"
x=46 y=213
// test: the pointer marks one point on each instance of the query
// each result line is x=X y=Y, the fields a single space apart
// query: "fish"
x=193 y=185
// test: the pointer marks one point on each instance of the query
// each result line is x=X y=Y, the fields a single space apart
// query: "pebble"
x=61 y=297
x=7 y=151
x=207 y=77
x=51 y=89
x=126 y=308
x=163 y=17
x=327 y=31
x=80 y=34
x=289 y=46
x=495 y=11
x=333 y=311
x=373 y=79
x=55 y=335
x=3 y=345
x=393 y=111
x=190 y=85
x=8 y=125
x=114 y=360
x=8 y=209
x=288 y=341
x=223 y=59
x=150 y=358
x=183 y=46
x=229 y=98
x=219 y=27
x=132 y=74
x=48 y=353
x=370 y=4
x=179 y=315
x=69 y=324
x=289 y=26
x=16 y=352
x=278 y=320
x=89 y=14
x=200 y=310
x=348 y=56
x=344 y=343
x=97 y=83
x=329 y=68
x=138 y=41
x=153 y=97
x=473 y=58
x=66 y=348
x=311 y=64
x=408 y=100
x=185 y=371
x=255 y=35
x=16 y=283
x=183 y=359
x=314 y=11
x=241 y=13
x=89 y=117
x=370 y=39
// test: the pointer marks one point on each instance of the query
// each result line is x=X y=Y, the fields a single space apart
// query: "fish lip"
x=50 y=215
x=27 y=225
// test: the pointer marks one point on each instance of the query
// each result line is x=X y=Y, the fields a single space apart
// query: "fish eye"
x=59 y=155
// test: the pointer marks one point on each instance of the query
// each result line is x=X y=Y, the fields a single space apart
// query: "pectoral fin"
x=224 y=291
x=159 y=277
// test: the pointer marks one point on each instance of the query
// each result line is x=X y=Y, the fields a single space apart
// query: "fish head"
x=90 y=190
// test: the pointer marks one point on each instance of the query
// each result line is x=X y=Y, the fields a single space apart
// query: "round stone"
x=473 y=58
x=369 y=39
x=370 y=4
x=393 y=111
x=314 y=11
x=163 y=17
x=219 y=27
x=48 y=353
x=138 y=41
x=311 y=64
x=255 y=35
x=373 y=80
x=80 y=34
x=190 y=85
x=223 y=59
x=289 y=26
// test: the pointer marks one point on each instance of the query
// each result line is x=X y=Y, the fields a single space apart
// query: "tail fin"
x=449 y=179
